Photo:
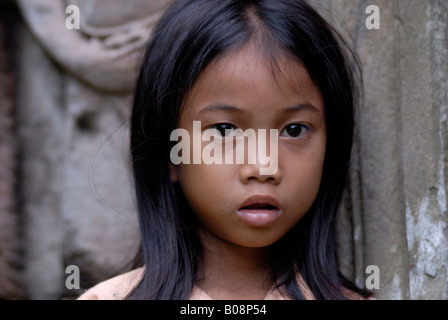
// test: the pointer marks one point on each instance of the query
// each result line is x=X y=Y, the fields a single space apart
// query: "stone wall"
x=73 y=98
x=399 y=173
x=10 y=240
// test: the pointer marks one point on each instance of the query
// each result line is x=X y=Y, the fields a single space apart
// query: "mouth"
x=259 y=210
x=259 y=206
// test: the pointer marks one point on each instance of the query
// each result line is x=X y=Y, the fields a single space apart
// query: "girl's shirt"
x=118 y=287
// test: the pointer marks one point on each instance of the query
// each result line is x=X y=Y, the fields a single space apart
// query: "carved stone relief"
x=76 y=94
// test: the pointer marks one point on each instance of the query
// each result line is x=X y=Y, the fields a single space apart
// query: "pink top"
x=118 y=287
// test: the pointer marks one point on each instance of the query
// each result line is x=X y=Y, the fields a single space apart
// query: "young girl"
x=224 y=230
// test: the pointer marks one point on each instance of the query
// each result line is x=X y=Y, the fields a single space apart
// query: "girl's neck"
x=234 y=272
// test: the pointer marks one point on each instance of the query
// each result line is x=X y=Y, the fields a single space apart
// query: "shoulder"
x=115 y=288
x=348 y=293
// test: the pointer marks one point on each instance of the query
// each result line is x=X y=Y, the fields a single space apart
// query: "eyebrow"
x=306 y=106
x=222 y=108
x=292 y=109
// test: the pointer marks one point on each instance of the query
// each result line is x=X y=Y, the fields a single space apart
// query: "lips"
x=259 y=206
x=259 y=210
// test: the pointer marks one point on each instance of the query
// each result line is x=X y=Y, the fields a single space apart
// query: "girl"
x=226 y=231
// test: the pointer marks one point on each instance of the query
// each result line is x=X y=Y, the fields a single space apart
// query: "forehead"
x=247 y=77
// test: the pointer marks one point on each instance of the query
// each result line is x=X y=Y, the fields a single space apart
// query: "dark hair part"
x=190 y=35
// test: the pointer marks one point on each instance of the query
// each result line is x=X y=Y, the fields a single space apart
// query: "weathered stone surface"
x=11 y=286
x=399 y=176
x=103 y=54
x=112 y=13
x=98 y=216
x=423 y=65
x=41 y=129
x=379 y=147
x=76 y=189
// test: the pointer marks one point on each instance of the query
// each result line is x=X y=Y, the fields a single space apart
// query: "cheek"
x=303 y=175
x=203 y=185
x=207 y=189
x=210 y=173
x=305 y=181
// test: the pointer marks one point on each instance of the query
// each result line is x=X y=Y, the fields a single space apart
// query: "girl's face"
x=234 y=201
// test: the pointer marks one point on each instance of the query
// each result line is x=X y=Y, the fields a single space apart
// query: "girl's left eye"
x=295 y=130
x=224 y=129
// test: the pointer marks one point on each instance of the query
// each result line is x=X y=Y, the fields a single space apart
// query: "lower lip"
x=259 y=218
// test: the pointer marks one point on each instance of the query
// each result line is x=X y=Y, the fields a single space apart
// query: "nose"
x=252 y=172
x=264 y=168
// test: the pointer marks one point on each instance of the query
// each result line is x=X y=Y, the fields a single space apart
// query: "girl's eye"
x=295 y=130
x=224 y=129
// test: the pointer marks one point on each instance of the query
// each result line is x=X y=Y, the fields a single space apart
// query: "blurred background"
x=66 y=193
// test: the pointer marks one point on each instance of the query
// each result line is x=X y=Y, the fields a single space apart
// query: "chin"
x=257 y=243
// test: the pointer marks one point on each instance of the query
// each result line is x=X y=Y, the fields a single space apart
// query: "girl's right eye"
x=224 y=129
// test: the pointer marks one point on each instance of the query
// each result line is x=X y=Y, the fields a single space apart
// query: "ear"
x=174 y=175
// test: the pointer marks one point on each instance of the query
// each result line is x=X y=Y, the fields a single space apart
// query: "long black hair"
x=190 y=35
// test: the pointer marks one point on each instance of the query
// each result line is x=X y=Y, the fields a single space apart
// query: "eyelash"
x=215 y=126
x=303 y=127
x=300 y=136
